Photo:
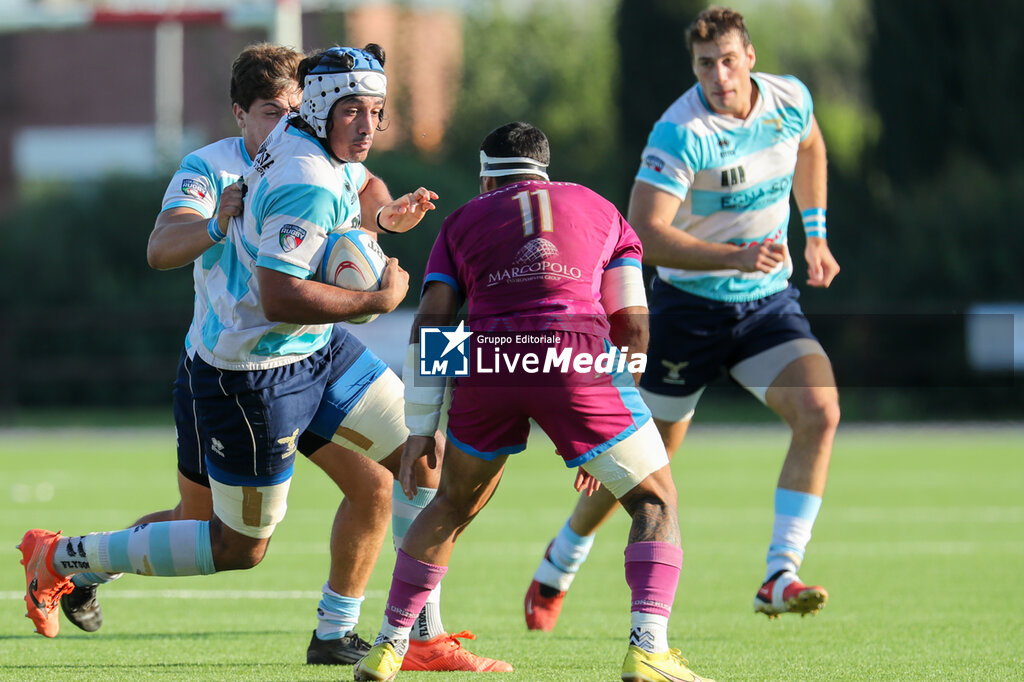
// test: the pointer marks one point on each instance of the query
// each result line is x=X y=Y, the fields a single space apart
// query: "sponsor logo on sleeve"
x=291 y=237
x=655 y=163
x=195 y=187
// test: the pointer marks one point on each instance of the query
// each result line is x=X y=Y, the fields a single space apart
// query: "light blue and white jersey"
x=197 y=185
x=297 y=195
x=734 y=178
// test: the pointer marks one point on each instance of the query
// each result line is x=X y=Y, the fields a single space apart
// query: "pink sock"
x=652 y=573
x=411 y=584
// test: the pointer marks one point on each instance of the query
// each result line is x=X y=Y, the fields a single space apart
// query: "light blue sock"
x=795 y=513
x=403 y=511
x=568 y=552
x=167 y=548
x=338 y=615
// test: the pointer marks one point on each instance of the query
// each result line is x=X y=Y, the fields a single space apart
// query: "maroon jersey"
x=531 y=256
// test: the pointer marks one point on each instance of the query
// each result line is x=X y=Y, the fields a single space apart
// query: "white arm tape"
x=622 y=287
x=423 y=395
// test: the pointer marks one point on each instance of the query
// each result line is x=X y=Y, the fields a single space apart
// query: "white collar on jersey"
x=497 y=166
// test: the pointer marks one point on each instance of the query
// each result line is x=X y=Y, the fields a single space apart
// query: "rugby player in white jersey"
x=199 y=201
x=360 y=387
x=711 y=205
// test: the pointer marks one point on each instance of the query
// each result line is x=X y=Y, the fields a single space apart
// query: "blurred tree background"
x=926 y=183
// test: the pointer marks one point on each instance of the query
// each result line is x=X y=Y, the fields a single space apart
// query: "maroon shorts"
x=583 y=412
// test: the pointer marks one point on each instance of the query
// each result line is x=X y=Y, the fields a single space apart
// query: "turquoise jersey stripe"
x=198 y=164
x=444 y=279
x=258 y=202
x=274 y=343
x=620 y=262
x=211 y=256
x=313 y=203
x=272 y=263
x=238 y=276
x=187 y=203
x=211 y=331
x=753 y=198
x=733 y=289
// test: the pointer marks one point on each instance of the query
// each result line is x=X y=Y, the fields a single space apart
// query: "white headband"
x=321 y=91
x=494 y=167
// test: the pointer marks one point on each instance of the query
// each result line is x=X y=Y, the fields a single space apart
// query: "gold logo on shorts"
x=674 y=368
x=289 y=443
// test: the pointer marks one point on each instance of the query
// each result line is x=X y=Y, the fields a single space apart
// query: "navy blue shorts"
x=250 y=421
x=186 y=425
x=696 y=339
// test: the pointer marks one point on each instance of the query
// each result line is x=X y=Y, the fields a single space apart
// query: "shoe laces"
x=59 y=592
x=356 y=641
x=454 y=638
x=678 y=655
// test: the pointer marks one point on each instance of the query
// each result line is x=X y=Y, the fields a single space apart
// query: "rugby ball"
x=353 y=260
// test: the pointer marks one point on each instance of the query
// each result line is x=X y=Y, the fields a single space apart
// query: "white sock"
x=398 y=637
x=648 y=631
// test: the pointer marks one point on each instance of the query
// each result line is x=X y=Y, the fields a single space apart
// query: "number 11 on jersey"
x=526 y=210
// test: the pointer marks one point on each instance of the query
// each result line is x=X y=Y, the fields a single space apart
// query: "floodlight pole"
x=286 y=29
x=169 y=89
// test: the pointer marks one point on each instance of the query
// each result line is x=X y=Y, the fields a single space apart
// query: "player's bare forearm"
x=810 y=178
x=437 y=308
x=179 y=236
x=305 y=301
x=651 y=212
x=373 y=195
x=182 y=234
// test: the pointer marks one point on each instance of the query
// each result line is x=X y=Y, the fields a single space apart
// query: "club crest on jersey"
x=195 y=187
x=655 y=163
x=291 y=237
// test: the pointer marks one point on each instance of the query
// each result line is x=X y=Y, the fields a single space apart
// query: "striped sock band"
x=167 y=548
x=337 y=614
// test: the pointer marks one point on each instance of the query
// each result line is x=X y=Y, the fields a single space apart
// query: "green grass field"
x=920 y=542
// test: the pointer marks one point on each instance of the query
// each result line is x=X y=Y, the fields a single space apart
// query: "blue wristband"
x=814 y=222
x=213 y=229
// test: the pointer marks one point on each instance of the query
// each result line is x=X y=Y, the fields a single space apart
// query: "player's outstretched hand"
x=822 y=266
x=761 y=257
x=406 y=212
x=394 y=285
x=585 y=483
x=415 y=448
